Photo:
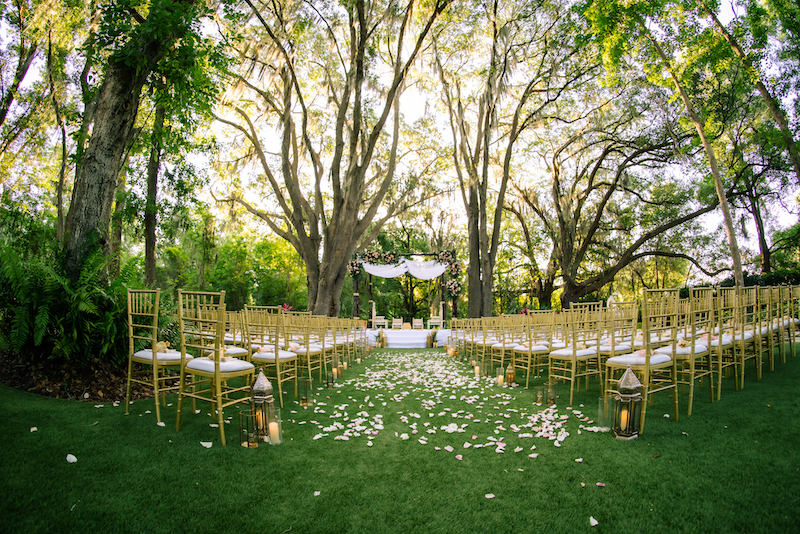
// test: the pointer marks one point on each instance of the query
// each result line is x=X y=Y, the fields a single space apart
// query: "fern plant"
x=44 y=314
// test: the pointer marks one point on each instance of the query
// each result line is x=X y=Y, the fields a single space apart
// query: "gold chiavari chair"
x=657 y=372
x=149 y=361
x=531 y=353
x=202 y=320
x=748 y=339
x=689 y=349
x=722 y=338
x=580 y=358
x=279 y=365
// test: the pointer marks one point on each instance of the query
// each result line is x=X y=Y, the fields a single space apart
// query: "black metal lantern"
x=628 y=406
x=261 y=400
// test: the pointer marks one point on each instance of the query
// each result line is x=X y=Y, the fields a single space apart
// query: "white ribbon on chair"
x=424 y=270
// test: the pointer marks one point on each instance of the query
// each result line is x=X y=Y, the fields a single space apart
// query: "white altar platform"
x=409 y=339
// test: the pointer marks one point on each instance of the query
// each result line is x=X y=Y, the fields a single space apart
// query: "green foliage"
x=45 y=315
x=775 y=278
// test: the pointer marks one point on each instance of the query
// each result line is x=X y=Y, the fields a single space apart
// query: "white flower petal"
x=490 y=495
x=71 y=459
x=161 y=423
x=206 y=444
x=316 y=494
x=593 y=521
x=34 y=429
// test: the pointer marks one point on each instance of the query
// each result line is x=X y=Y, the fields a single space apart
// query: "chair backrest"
x=397 y=322
x=586 y=306
x=660 y=317
x=202 y=319
x=266 y=326
x=143 y=318
x=583 y=325
x=417 y=324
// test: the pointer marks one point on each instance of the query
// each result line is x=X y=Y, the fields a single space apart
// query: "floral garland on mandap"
x=453 y=287
x=446 y=256
x=390 y=258
x=354 y=267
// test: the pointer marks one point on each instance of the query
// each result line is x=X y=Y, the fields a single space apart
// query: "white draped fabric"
x=424 y=270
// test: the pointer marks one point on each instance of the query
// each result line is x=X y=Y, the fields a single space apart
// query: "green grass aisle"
x=409 y=442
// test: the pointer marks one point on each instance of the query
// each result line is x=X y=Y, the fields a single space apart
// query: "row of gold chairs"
x=681 y=342
x=218 y=346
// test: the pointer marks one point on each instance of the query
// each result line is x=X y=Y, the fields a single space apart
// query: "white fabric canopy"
x=424 y=270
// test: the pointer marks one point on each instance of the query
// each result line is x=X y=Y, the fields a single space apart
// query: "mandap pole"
x=356 y=298
x=443 y=298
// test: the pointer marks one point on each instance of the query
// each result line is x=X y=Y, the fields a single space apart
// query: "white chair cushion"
x=270 y=356
x=580 y=353
x=699 y=348
x=635 y=360
x=504 y=345
x=161 y=357
x=311 y=349
x=619 y=347
x=724 y=341
x=232 y=365
x=230 y=350
x=532 y=348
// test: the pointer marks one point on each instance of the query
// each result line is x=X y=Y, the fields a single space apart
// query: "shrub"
x=45 y=315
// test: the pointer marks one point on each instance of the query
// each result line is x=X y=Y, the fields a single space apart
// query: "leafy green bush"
x=45 y=315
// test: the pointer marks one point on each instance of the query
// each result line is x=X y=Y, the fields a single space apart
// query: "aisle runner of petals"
x=436 y=381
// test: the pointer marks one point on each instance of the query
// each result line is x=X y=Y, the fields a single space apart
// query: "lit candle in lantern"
x=477 y=371
x=358 y=361
x=623 y=419
x=274 y=433
x=500 y=379
x=345 y=366
x=335 y=373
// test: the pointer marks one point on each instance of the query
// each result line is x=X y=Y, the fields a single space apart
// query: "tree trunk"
x=93 y=193
x=755 y=210
x=115 y=238
x=152 y=191
x=117 y=104
x=712 y=160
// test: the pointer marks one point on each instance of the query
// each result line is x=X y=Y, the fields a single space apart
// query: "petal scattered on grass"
x=161 y=423
x=316 y=494
x=34 y=429
x=593 y=521
x=206 y=444
x=71 y=459
x=459 y=457
x=600 y=484
x=578 y=460
x=490 y=495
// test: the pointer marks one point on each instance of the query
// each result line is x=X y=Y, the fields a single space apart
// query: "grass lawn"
x=731 y=467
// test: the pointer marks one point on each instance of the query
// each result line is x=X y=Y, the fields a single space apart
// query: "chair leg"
x=217 y=389
x=128 y=393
